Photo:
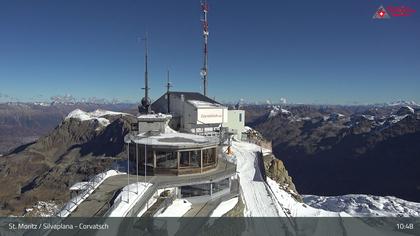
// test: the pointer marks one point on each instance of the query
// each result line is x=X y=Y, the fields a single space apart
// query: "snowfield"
x=359 y=205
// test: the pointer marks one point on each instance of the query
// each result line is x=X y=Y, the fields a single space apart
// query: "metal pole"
x=204 y=70
x=137 y=167
x=128 y=173
x=145 y=159
x=146 y=73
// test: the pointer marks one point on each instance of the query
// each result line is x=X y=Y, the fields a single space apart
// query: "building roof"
x=193 y=96
x=201 y=104
x=174 y=140
x=196 y=99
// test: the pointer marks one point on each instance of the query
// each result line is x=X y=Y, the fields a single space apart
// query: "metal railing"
x=86 y=189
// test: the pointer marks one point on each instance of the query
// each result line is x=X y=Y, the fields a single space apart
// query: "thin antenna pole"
x=145 y=102
x=146 y=71
x=128 y=173
x=145 y=159
x=168 y=87
x=204 y=70
x=137 y=167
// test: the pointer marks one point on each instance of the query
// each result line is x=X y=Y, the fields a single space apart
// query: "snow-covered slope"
x=360 y=205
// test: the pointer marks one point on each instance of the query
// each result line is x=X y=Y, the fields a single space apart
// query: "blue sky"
x=329 y=52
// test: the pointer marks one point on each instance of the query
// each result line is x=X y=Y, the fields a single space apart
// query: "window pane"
x=184 y=160
x=195 y=158
x=209 y=156
x=221 y=185
x=166 y=160
x=195 y=190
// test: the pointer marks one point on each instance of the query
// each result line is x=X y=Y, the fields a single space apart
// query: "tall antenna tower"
x=146 y=102
x=204 y=70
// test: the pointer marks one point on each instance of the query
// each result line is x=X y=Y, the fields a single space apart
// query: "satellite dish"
x=203 y=73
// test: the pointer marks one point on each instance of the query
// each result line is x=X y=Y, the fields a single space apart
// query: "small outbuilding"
x=192 y=112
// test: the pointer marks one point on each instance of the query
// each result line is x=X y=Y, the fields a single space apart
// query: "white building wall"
x=236 y=122
x=192 y=116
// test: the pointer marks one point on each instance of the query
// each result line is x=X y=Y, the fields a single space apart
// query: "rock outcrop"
x=275 y=169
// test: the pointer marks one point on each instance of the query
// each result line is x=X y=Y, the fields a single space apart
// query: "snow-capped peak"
x=94 y=115
x=278 y=110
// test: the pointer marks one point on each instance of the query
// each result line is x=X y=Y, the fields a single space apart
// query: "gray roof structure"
x=160 y=105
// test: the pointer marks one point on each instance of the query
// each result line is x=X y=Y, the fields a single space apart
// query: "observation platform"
x=98 y=203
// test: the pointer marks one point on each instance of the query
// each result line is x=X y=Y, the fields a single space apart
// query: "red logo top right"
x=394 y=11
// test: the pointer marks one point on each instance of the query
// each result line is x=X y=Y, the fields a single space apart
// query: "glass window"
x=240 y=117
x=195 y=158
x=209 y=156
x=184 y=159
x=190 y=159
x=141 y=154
x=195 y=190
x=219 y=186
x=166 y=160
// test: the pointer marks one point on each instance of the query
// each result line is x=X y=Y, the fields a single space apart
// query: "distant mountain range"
x=337 y=150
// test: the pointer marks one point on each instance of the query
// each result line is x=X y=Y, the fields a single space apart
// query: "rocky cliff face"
x=275 y=169
x=73 y=151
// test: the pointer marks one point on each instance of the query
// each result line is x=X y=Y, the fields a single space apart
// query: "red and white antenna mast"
x=204 y=70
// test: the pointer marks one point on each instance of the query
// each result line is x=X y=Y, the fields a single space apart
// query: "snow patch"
x=276 y=110
x=79 y=186
x=395 y=119
x=224 y=207
x=178 y=208
x=42 y=209
x=369 y=117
